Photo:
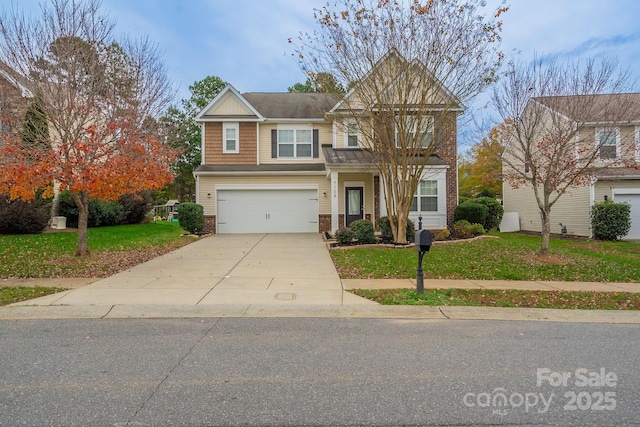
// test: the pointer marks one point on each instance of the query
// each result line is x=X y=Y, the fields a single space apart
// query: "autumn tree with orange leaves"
x=100 y=98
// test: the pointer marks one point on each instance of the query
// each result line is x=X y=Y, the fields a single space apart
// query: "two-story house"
x=14 y=99
x=291 y=162
x=610 y=125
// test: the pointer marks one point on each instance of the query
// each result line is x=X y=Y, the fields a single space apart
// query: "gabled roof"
x=260 y=106
x=406 y=67
x=622 y=107
x=229 y=92
x=18 y=81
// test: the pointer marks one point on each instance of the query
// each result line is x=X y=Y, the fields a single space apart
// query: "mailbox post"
x=423 y=241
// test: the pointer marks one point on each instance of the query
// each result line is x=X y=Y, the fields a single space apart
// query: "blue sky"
x=244 y=42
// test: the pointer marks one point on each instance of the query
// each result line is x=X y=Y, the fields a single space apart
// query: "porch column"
x=334 y=201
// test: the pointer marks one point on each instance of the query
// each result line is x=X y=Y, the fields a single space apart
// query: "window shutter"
x=274 y=143
x=316 y=153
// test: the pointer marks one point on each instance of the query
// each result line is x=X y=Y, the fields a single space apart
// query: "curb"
x=314 y=311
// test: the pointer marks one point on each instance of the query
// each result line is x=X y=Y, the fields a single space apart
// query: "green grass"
x=9 y=295
x=506 y=298
x=511 y=256
x=52 y=254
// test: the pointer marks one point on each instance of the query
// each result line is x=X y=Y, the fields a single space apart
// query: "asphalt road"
x=281 y=371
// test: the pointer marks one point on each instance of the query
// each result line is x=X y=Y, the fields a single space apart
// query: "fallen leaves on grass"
x=507 y=298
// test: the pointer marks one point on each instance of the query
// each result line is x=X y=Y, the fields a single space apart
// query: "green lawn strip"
x=52 y=254
x=509 y=257
x=10 y=295
x=505 y=298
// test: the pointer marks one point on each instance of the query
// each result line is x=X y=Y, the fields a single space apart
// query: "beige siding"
x=606 y=188
x=363 y=178
x=209 y=184
x=587 y=138
x=324 y=137
x=572 y=210
x=229 y=107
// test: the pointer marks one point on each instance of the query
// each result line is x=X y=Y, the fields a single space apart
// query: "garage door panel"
x=634 y=202
x=267 y=211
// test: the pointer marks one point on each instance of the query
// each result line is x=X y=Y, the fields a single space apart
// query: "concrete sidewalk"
x=270 y=275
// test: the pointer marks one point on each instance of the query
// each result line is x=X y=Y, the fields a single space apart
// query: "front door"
x=354 y=204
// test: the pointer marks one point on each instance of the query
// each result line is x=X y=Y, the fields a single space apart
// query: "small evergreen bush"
x=136 y=207
x=463 y=229
x=344 y=235
x=610 y=220
x=363 y=231
x=191 y=217
x=101 y=213
x=475 y=213
x=442 y=235
x=495 y=211
x=387 y=235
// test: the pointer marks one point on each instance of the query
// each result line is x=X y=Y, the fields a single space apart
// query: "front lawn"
x=113 y=249
x=510 y=256
x=9 y=295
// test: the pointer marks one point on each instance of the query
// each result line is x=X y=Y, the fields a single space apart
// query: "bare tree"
x=98 y=96
x=409 y=66
x=551 y=106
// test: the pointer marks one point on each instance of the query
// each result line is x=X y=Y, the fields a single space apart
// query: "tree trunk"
x=401 y=227
x=82 y=202
x=546 y=231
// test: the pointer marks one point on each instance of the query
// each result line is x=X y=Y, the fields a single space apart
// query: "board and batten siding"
x=208 y=184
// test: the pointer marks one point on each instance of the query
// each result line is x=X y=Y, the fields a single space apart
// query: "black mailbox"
x=423 y=240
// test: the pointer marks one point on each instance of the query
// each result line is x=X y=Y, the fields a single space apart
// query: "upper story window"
x=426 y=198
x=418 y=129
x=230 y=138
x=351 y=135
x=607 y=142
x=295 y=142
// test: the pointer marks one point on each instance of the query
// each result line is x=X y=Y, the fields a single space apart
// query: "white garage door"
x=267 y=211
x=634 y=201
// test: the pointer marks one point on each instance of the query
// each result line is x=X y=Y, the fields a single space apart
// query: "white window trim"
x=348 y=124
x=295 y=128
x=235 y=126
x=429 y=120
x=437 y=196
x=598 y=146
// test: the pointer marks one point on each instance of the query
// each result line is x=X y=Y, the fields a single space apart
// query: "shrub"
x=486 y=193
x=495 y=211
x=610 y=221
x=100 y=213
x=442 y=235
x=475 y=213
x=191 y=217
x=24 y=217
x=344 y=235
x=387 y=235
x=463 y=229
x=363 y=231
x=135 y=207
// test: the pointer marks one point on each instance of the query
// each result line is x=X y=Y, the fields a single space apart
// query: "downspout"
x=592 y=200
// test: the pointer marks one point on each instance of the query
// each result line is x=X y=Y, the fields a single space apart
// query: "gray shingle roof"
x=351 y=156
x=622 y=107
x=291 y=105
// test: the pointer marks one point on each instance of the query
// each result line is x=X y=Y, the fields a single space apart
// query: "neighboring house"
x=616 y=175
x=285 y=162
x=14 y=100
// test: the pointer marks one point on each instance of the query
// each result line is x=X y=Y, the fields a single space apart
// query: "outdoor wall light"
x=209 y=195
x=324 y=194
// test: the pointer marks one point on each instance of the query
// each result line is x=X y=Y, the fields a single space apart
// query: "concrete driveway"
x=292 y=269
